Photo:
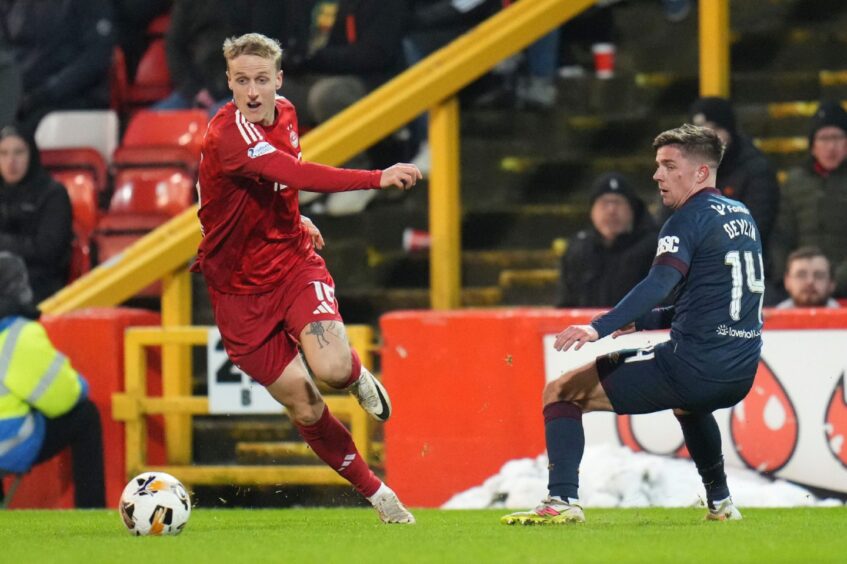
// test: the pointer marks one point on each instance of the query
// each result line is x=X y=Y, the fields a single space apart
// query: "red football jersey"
x=247 y=189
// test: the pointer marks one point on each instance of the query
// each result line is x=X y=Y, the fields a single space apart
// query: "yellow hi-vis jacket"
x=36 y=381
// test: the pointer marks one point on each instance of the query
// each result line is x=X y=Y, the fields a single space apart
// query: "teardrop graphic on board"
x=764 y=424
x=835 y=424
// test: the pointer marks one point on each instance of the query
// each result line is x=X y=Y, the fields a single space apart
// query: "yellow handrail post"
x=135 y=426
x=714 y=48
x=176 y=363
x=445 y=206
x=361 y=338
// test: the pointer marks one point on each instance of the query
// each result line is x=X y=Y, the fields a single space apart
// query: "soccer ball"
x=155 y=503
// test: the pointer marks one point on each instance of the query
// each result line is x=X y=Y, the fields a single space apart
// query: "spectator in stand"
x=132 y=18
x=745 y=173
x=809 y=280
x=338 y=52
x=527 y=84
x=604 y=262
x=193 y=42
x=45 y=405
x=10 y=85
x=63 y=49
x=813 y=203
x=35 y=213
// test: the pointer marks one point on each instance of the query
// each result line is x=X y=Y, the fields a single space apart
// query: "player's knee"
x=555 y=391
x=332 y=368
x=305 y=413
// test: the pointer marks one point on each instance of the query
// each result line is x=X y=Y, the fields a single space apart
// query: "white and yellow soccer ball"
x=155 y=503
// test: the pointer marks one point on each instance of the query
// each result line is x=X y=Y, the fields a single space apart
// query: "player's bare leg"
x=331 y=441
x=333 y=362
x=565 y=400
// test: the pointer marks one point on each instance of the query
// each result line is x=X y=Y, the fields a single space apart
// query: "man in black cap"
x=745 y=173
x=604 y=262
x=814 y=197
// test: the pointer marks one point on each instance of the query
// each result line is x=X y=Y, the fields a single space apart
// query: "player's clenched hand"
x=625 y=330
x=575 y=334
x=314 y=232
x=401 y=175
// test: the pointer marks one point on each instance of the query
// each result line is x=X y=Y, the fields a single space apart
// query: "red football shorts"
x=261 y=331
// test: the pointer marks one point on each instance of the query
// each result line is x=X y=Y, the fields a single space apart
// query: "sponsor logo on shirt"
x=722 y=209
x=259 y=149
x=725 y=331
x=668 y=244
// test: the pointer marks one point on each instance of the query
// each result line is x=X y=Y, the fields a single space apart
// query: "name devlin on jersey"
x=737 y=227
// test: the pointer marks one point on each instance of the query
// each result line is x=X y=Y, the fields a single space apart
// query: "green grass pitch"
x=351 y=536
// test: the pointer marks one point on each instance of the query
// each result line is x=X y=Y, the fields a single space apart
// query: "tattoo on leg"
x=317 y=329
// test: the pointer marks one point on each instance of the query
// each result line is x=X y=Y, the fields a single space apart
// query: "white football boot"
x=723 y=510
x=551 y=511
x=371 y=395
x=389 y=507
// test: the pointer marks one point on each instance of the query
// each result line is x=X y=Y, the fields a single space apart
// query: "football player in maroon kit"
x=270 y=291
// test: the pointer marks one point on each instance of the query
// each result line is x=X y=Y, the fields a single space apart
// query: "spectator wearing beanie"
x=814 y=197
x=745 y=173
x=603 y=263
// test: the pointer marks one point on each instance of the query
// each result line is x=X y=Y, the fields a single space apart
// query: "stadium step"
x=279 y=452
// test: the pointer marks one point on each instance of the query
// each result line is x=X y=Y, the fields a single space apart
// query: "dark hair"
x=694 y=141
x=808 y=252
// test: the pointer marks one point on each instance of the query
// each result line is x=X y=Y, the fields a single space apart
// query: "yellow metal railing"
x=133 y=406
x=714 y=48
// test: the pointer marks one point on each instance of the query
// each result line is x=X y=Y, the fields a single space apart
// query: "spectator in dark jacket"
x=35 y=214
x=745 y=173
x=338 y=51
x=195 y=38
x=814 y=197
x=603 y=263
x=10 y=85
x=63 y=49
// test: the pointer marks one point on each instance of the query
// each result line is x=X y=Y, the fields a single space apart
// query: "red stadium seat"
x=83 y=194
x=144 y=198
x=152 y=80
x=165 y=129
x=159 y=26
x=84 y=160
x=118 y=81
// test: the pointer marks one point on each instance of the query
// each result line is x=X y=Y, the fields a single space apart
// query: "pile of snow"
x=614 y=476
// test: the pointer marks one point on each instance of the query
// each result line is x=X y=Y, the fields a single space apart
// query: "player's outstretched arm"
x=658 y=284
x=401 y=175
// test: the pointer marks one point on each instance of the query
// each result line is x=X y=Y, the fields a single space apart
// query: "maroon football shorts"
x=261 y=331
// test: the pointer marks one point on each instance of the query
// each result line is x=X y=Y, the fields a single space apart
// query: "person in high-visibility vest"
x=44 y=404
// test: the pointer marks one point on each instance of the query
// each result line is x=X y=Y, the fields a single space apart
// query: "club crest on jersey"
x=259 y=149
x=668 y=244
x=292 y=136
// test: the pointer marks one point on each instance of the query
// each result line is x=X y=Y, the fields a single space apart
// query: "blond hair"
x=694 y=141
x=253 y=44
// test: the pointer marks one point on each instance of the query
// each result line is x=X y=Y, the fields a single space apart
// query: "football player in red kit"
x=270 y=291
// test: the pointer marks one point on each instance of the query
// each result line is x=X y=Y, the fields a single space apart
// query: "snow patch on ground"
x=614 y=476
